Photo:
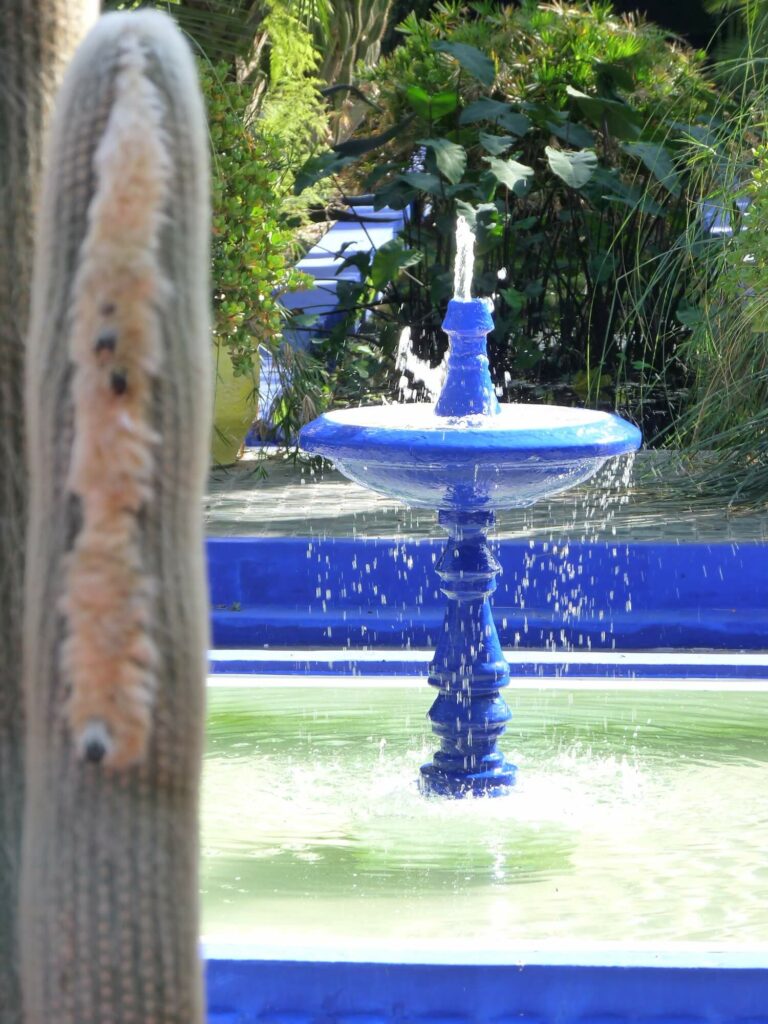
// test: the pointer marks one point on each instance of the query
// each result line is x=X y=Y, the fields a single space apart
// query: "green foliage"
x=562 y=133
x=727 y=350
x=724 y=425
x=292 y=114
x=250 y=246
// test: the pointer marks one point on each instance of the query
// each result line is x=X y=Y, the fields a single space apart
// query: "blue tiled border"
x=354 y=593
x=242 y=991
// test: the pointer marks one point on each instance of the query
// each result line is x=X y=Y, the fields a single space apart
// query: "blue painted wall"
x=284 y=992
x=365 y=592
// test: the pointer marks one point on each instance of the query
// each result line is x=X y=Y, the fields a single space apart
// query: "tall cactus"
x=37 y=39
x=115 y=634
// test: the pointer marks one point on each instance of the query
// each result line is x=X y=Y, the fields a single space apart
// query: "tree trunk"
x=358 y=29
x=37 y=38
x=115 y=636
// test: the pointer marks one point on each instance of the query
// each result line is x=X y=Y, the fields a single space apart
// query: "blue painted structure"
x=347 y=593
x=653 y=990
x=468 y=456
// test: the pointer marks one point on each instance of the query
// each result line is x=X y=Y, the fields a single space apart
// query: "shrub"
x=250 y=245
x=560 y=132
x=726 y=352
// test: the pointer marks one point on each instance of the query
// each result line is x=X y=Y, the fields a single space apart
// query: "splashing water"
x=415 y=371
x=465 y=261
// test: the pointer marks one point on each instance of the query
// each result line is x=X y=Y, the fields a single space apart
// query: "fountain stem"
x=469 y=668
x=468 y=389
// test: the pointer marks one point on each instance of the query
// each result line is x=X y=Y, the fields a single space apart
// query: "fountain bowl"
x=478 y=462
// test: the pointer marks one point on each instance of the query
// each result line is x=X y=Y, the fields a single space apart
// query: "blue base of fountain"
x=490 y=781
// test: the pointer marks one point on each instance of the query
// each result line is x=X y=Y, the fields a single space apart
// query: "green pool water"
x=640 y=820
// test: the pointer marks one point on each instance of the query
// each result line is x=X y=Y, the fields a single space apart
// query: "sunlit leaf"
x=451 y=159
x=574 y=168
x=495 y=144
x=514 y=175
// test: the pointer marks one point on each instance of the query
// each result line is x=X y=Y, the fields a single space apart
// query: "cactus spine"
x=115 y=633
x=37 y=38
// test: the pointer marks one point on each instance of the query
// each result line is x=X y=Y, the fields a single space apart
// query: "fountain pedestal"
x=468 y=668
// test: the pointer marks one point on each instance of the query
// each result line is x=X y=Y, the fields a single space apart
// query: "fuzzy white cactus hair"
x=119 y=292
x=120 y=297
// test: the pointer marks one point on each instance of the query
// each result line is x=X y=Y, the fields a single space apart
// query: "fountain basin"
x=505 y=460
x=347 y=910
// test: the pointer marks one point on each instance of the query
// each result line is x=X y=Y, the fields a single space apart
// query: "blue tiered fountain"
x=467 y=456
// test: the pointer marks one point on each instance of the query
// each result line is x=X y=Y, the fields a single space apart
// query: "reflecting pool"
x=640 y=819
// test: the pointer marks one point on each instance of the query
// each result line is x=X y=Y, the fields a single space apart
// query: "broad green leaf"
x=441 y=287
x=418 y=98
x=464 y=188
x=451 y=159
x=483 y=110
x=518 y=124
x=303 y=319
x=703 y=134
x=471 y=59
x=575 y=168
x=319 y=167
x=515 y=176
x=361 y=260
x=621 y=120
x=378 y=172
x=602 y=267
x=431 y=107
x=495 y=144
x=497 y=113
x=423 y=181
x=572 y=134
x=658 y=161
x=397 y=195
x=389 y=260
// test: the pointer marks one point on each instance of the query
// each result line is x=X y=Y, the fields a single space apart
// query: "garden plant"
x=115 y=614
x=560 y=132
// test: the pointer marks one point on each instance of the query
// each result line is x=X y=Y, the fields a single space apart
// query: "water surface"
x=640 y=820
